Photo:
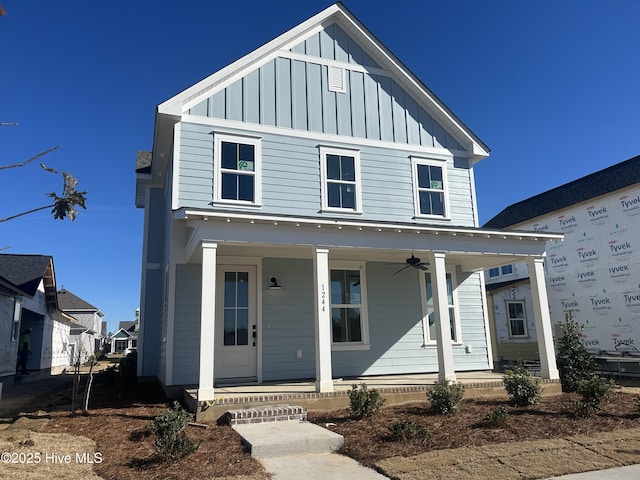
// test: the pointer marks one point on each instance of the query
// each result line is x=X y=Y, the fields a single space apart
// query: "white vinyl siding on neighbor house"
x=237 y=170
x=340 y=177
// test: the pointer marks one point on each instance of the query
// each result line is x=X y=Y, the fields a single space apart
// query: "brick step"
x=267 y=413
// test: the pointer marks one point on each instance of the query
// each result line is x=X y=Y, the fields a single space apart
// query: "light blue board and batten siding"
x=293 y=93
x=291 y=170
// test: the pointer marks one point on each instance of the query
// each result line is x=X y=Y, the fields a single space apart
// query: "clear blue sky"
x=553 y=87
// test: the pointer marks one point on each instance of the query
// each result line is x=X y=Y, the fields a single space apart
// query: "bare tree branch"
x=22 y=164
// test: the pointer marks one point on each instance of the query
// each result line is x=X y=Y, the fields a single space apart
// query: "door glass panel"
x=236 y=308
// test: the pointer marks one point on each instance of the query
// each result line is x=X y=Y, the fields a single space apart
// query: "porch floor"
x=396 y=389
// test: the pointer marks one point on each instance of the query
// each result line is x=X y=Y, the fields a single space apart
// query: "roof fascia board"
x=184 y=214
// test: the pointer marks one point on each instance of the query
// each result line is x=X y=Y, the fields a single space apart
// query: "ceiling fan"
x=415 y=263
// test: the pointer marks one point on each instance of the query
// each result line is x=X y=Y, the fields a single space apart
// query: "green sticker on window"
x=437 y=184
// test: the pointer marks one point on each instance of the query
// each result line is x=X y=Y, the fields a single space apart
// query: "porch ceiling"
x=472 y=249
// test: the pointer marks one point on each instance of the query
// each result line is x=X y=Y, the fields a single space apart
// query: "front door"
x=236 y=328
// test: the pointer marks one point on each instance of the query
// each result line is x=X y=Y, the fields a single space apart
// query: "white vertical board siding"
x=291 y=169
x=288 y=320
x=294 y=94
x=186 y=332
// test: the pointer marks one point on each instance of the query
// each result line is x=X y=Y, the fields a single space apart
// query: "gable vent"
x=337 y=81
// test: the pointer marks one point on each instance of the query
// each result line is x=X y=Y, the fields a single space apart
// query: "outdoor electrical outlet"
x=298 y=353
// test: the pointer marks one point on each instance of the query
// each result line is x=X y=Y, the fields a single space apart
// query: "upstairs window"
x=237 y=169
x=340 y=171
x=430 y=188
x=494 y=272
x=507 y=269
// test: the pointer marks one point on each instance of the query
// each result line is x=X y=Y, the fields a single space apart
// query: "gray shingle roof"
x=143 y=162
x=129 y=326
x=24 y=271
x=599 y=183
x=68 y=302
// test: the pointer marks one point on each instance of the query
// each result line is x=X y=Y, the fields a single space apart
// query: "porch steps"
x=264 y=414
x=280 y=430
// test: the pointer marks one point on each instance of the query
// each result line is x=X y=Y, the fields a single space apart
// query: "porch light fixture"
x=273 y=284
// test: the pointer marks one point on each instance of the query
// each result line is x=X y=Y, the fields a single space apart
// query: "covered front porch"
x=401 y=337
x=396 y=389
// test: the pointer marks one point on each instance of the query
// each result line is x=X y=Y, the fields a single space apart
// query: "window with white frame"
x=517 y=318
x=506 y=269
x=237 y=169
x=340 y=170
x=494 y=272
x=430 y=188
x=429 y=327
x=349 y=326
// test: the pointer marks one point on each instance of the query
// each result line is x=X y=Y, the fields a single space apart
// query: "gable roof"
x=69 y=302
x=128 y=326
x=608 y=180
x=25 y=272
x=171 y=110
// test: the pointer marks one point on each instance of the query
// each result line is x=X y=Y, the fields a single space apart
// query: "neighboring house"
x=28 y=299
x=86 y=336
x=125 y=338
x=594 y=274
x=282 y=197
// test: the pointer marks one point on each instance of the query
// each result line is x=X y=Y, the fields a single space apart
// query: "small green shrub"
x=445 y=397
x=523 y=388
x=574 y=362
x=594 y=391
x=363 y=402
x=171 y=441
x=405 y=430
x=497 y=417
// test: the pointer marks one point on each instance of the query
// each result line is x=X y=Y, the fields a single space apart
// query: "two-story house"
x=310 y=212
x=86 y=336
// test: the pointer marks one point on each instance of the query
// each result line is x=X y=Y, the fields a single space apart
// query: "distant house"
x=310 y=212
x=594 y=274
x=86 y=336
x=28 y=299
x=125 y=338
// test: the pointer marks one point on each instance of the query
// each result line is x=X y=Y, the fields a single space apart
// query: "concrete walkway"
x=318 y=466
x=619 y=473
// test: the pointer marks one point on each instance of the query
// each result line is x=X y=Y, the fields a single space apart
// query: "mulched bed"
x=119 y=423
x=370 y=440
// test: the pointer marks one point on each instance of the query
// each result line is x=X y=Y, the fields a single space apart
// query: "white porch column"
x=207 y=321
x=324 y=382
x=548 y=368
x=441 y=310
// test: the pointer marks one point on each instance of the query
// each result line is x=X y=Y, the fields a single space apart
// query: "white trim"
x=364 y=344
x=218 y=138
x=328 y=62
x=184 y=214
x=325 y=138
x=327 y=150
x=432 y=162
x=175 y=161
x=170 y=321
x=206 y=372
x=474 y=197
x=322 y=323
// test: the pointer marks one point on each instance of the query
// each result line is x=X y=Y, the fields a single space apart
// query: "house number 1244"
x=323 y=295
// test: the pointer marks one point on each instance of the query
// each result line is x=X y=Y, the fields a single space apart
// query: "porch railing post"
x=443 y=326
